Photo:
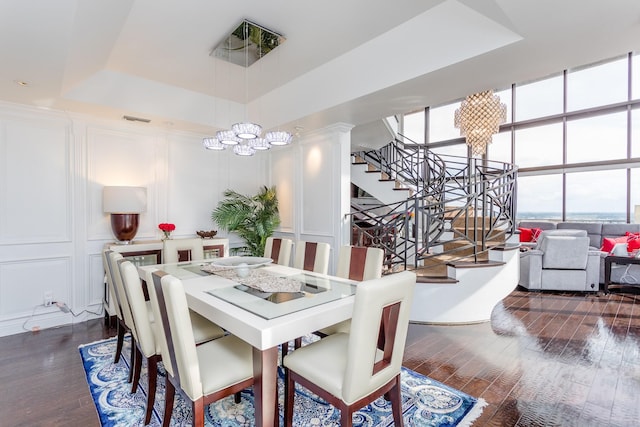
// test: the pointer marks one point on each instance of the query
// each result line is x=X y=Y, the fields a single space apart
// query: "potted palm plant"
x=253 y=218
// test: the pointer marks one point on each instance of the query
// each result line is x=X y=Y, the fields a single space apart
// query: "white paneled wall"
x=53 y=167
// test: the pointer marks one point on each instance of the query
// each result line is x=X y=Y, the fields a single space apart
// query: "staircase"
x=433 y=212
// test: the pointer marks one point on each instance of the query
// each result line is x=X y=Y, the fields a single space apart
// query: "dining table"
x=255 y=308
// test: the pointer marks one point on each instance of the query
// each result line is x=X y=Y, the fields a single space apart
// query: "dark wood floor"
x=544 y=360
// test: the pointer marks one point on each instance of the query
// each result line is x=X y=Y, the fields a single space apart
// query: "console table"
x=620 y=260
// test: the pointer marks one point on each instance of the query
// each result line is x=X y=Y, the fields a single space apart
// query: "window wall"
x=575 y=137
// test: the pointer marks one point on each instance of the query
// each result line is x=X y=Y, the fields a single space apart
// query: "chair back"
x=360 y=263
x=312 y=256
x=378 y=333
x=114 y=259
x=279 y=250
x=133 y=288
x=179 y=250
x=181 y=344
x=111 y=287
x=564 y=249
x=152 y=277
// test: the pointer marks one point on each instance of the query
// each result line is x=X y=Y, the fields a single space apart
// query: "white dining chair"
x=352 y=370
x=279 y=250
x=355 y=263
x=178 y=250
x=312 y=256
x=205 y=373
x=121 y=328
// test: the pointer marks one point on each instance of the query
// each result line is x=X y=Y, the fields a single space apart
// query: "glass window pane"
x=540 y=197
x=598 y=85
x=441 y=123
x=635 y=195
x=451 y=150
x=500 y=148
x=597 y=138
x=597 y=196
x=539 y=99
x=539 y=146
x=635 y=76
x=414 y=127
x=635 y=133
x=505 y=98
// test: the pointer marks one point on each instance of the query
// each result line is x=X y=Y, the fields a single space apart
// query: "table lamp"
x=125 y=205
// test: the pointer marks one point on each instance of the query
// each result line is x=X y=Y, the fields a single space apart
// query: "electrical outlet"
x=48 y=298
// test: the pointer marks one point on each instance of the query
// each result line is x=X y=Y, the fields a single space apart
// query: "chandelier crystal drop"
x=244 y=150
x=211 y=143
x=260 y=144
x=479 y=118
x=227 y=137
x=278 y=138
x=247 y=130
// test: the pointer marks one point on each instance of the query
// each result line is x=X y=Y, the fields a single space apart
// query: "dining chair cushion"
x=224 y=361
x=140 y=309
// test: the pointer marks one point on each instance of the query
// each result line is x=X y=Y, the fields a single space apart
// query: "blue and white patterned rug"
x=425 y=402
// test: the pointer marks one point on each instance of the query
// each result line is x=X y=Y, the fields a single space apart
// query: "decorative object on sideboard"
x=207 y=234
x=125 y=204
x=166 y=229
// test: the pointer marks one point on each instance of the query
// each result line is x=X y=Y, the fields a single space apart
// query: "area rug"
x=425 y=402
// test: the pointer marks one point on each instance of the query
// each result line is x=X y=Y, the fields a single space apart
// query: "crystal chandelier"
x=478 y=118
x=245 y=137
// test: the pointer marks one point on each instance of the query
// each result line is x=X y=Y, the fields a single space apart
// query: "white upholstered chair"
x=113 y=297
x=114 y=258
x=279 y=250
x=204 y=373
x=356 y=263
x=177 y=250
x=145 y=343
x=351 y=370
x=312 y=256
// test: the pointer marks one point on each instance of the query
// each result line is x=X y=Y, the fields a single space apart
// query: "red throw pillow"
x=529 y=234
x=608 y=243
x=525 y=234
x=633 y=243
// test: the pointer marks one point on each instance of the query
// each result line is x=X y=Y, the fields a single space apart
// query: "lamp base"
x=124 y=227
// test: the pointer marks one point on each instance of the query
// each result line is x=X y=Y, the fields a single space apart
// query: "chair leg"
x=152 y=367
x=395 y=394
x=346 y=418
x=137 y=368
x=237 y=397
x=289 y=395
x=297 y=343
x=120 y=342
x=169 y=394
x=198 y=413
x=132 y=359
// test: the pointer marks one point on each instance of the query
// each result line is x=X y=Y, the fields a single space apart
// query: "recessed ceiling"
x=351 y=62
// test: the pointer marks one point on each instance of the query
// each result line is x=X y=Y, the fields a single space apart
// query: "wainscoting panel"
x=23 y=284
x=35 y=182
x=318 y=189
x=283 y=176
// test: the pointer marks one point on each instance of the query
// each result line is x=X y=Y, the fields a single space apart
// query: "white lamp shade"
x=124 y=199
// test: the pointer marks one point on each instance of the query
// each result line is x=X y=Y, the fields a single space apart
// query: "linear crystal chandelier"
x=478 y=118
x=245 y=45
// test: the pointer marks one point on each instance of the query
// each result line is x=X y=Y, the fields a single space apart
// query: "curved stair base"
x=476 y=291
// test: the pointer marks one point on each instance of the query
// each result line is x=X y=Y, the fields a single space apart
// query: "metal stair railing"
x=447 y=191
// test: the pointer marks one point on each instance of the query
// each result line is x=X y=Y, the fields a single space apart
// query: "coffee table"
x=620 y=260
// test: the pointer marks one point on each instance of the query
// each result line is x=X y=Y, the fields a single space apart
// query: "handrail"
x=458 y=206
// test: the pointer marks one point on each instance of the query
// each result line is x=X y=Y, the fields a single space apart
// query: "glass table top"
x=313 y=291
